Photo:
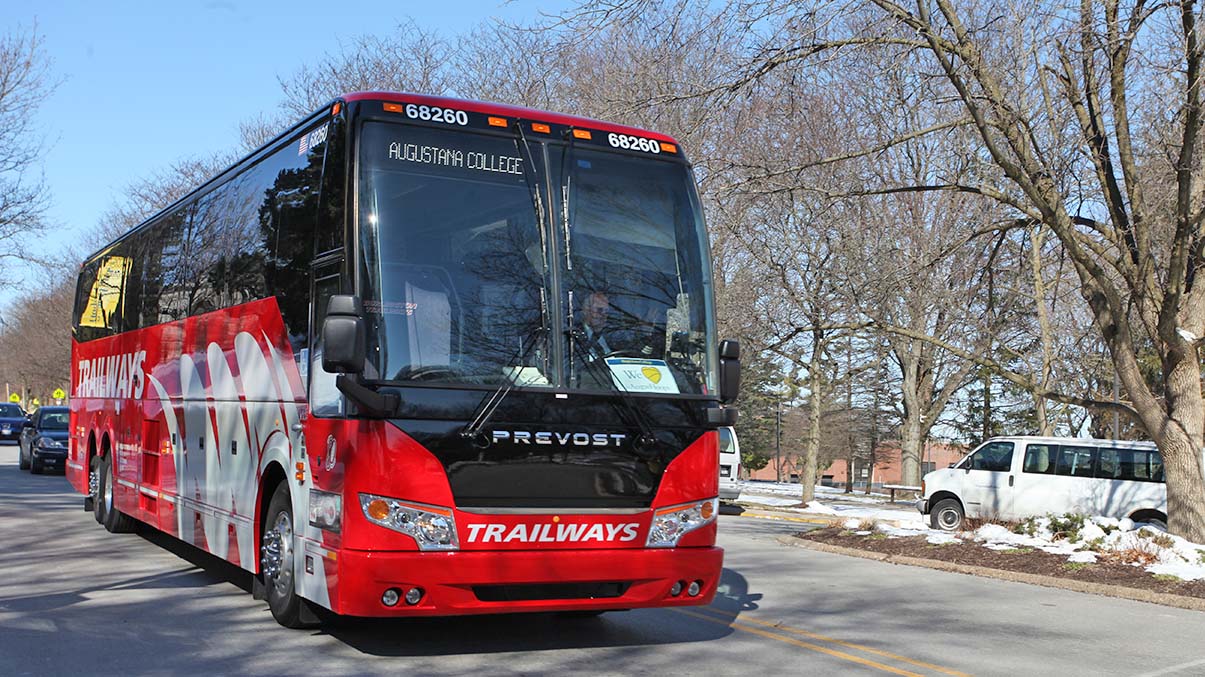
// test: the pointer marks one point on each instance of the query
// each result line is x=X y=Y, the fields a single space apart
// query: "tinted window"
x=100 y=295
x=727 y=445
x=995 y=457
x=1137 y=465
x=10 y=411
x=1075 y=461
x=1039 y=458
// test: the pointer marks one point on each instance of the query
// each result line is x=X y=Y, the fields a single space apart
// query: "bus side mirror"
x=343 y=336
x=730 y=370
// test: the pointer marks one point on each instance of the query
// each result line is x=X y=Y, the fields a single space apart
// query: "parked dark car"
x=12 y=419
x=44 y=442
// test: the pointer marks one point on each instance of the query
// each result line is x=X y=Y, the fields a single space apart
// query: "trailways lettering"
x=113 y=376
x=553 y=533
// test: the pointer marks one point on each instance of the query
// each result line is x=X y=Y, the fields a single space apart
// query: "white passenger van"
x=730 y=465
x=1011 y=478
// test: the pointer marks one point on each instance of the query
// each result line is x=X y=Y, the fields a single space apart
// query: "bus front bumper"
x=482 y=582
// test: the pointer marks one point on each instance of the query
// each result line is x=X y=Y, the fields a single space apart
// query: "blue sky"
x=147 y=83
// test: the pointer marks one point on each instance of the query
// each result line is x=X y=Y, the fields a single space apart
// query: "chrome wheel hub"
x=276 y=554
x=108 y=487
x=948 y=519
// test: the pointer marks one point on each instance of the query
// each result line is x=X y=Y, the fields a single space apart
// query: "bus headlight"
x=432 y=527
x=670 y=524
x=326 y=510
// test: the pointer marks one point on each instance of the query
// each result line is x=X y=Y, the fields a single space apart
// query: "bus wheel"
x=115 y=521
x=946 y=515
x=277 y=561
x=98 y=505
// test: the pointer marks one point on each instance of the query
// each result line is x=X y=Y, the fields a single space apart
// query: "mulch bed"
x=1023 y=560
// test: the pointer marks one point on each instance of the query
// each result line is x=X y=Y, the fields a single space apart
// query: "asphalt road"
x=75 y=599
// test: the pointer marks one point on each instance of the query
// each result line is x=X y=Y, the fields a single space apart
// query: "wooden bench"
x=900 y=487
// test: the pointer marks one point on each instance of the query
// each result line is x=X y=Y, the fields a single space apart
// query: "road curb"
x=1134 y=594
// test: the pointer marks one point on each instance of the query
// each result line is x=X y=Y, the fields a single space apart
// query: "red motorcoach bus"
x=418 y=356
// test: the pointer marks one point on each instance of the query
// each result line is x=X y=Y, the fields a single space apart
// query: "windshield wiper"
x=485 y=410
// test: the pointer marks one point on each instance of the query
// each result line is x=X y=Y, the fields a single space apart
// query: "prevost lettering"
x=115 y=376
x=553 y=533
x=563 y=439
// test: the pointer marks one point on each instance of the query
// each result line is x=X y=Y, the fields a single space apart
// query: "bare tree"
x=25 y=81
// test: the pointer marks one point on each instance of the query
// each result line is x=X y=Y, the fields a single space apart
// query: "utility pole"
x=778 y=438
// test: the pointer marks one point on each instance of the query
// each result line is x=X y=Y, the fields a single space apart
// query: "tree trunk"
x=1179 y=435
x=807 y=472
x=911 y=440
x=849 y=474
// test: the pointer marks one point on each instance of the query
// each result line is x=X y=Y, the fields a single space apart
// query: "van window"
x=1135 y=465
x=1076 y=461
x=1039 y=458
x=726 y=446
x=995 y=457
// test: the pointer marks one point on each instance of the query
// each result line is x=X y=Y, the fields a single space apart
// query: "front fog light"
x=694 y=588
x=670 y=524
x=431 y=526
x=390 y=597
x=676 y=589
x=413 y=595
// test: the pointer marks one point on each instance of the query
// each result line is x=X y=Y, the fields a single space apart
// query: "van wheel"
x=947 y=515
x=1151 y=517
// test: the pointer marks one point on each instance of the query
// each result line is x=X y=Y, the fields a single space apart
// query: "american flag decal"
x=305 y=144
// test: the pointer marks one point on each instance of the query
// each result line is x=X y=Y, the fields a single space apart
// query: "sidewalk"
x=782 y=499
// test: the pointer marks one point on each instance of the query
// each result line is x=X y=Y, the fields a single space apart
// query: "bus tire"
x=115 y=521
x=946 y=515
x=277 y=562
x=94 y=482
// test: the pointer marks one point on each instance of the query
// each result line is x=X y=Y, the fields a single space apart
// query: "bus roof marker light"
x=394 y=108
x=336 y=108
x=581 y=134
x=541 y=128
x=668 y=147
x=497 y=122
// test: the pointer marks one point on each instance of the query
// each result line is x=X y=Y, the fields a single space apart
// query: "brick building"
x=886 y=468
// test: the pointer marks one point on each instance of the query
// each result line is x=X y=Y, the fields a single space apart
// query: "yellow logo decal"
x=651 y=373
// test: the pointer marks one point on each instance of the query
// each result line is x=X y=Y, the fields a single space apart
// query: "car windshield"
x=10 y=411
x=53 y=420
x=467 y=265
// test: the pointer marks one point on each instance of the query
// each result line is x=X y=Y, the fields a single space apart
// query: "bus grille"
x=547 y=591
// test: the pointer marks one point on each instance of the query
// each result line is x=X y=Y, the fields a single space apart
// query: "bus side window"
x=325 y=398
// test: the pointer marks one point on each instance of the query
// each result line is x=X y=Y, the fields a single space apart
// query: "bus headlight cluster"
x=432 y=527
x=326 y=510
x=670 y=524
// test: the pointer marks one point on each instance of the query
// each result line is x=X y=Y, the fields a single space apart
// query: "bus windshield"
x=461 y=246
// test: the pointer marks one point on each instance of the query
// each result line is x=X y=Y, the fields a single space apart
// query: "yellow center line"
x=800 y=643
x=719 y=615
